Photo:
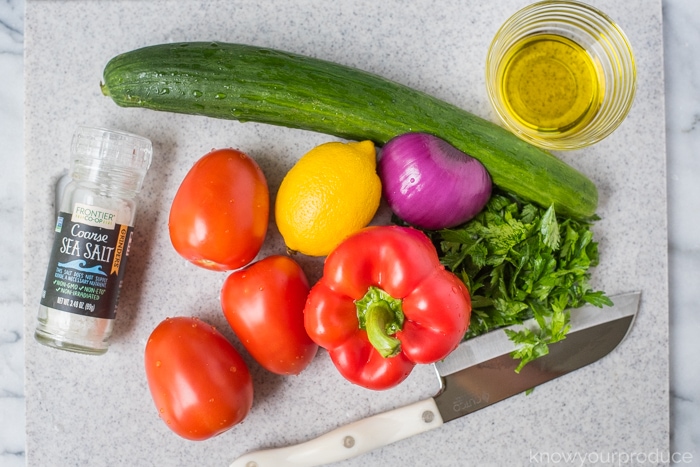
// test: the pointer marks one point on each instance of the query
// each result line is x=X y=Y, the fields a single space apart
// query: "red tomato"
x=200 y=384
x=264 y=304
x=218 y=219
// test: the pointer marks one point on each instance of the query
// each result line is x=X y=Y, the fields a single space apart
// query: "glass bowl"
x=561 y=74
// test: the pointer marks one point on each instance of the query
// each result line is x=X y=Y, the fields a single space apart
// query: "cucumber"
x=248 y=83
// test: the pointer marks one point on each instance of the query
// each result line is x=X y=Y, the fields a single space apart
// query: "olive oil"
x=550 y=83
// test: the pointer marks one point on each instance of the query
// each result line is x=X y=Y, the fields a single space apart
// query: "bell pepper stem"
x=377 y=320
x=381 y=316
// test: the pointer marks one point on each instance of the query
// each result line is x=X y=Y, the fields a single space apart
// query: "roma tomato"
x=264 y=304
x=218 y=218
x=200 y=384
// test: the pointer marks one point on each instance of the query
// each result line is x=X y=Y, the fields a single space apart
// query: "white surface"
x=95 y=412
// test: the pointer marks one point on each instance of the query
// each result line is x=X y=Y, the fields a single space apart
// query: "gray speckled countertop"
x=97 y=410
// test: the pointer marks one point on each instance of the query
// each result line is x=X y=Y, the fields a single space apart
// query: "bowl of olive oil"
x=561 y=74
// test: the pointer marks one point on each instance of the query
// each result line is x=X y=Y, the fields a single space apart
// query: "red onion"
x=431 y=184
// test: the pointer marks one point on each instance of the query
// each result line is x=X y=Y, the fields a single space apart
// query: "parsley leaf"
x=521 y=261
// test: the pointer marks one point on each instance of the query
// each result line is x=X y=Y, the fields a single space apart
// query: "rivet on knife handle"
x=351 y=440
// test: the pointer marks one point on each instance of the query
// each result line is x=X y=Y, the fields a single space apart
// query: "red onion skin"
x=430 y=184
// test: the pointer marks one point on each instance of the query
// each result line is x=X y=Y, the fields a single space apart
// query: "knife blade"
x=479 y=373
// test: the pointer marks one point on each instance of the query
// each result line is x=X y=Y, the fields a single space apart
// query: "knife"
x=479 y=373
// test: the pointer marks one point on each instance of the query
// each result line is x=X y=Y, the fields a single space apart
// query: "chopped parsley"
x=521 y=261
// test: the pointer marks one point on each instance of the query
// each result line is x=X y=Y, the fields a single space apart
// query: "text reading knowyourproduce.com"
x=613 y=458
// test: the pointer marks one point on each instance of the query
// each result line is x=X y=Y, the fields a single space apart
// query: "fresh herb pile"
x=521 y=261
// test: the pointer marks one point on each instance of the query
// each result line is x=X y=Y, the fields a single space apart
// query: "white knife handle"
x=350 y=440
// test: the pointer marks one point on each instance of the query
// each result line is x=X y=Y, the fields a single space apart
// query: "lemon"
x=331 y=192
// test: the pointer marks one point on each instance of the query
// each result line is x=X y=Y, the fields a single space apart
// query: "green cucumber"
x=248 y=83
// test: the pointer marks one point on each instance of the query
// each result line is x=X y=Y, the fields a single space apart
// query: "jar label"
x=87 y=262
x=94 y=216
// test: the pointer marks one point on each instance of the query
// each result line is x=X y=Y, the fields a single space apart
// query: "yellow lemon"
x=331 y=192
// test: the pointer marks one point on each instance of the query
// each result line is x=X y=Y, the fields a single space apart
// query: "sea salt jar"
x=92 y=239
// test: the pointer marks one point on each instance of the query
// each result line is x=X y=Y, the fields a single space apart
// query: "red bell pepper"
x=385 y=304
